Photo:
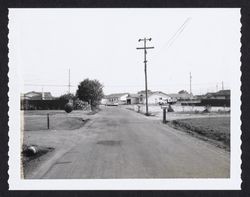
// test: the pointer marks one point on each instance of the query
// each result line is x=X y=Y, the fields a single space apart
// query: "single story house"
x=37 y=96
x=222 y=94
x=181 y=97
x=41 y=101
x=158 y=98
x=153 y=98
x=134 y=99
x=119 y=98
x=104 y=100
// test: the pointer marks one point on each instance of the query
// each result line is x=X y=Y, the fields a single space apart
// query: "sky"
x=101 y=44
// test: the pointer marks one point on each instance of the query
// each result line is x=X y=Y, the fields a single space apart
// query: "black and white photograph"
x=124 y=98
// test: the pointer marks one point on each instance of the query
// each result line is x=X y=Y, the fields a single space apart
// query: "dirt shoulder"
x=51 y=143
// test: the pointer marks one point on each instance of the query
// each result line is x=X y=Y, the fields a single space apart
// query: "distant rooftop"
x=116 y=95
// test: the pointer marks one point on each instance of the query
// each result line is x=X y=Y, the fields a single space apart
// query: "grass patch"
x=216 y=129
x=43 y=112
x=94 y=111
x=35 y=123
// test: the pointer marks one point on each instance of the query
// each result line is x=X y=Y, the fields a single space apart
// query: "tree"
x=144 y=92
x=67 y=96
x=183 y=92
x=90 y=91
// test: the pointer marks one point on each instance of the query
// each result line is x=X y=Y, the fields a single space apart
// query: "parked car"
x=163 y=102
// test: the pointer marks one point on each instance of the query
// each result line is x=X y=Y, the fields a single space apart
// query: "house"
x=220 y=98
x=158 y=98
x=181 y=97
x=222 y=94
x=133 y=99
x=41 y=101
x=37 y=96
x=118 y=98
x=104 y=100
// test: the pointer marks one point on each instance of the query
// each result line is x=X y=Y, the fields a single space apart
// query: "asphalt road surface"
x=119 y=143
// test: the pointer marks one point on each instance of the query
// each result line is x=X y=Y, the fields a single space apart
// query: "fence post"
x=164 y=115
x=48 y=121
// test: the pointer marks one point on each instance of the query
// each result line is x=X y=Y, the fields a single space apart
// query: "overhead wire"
x=170 y=42
x=177 y=33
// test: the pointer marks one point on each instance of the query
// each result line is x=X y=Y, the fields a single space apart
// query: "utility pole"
x=190 y=80
x=69 y=81
x=145 y=67
x=42 y=94
x=222 y=85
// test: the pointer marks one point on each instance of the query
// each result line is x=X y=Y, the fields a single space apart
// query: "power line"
x=48 y=85
x=190 y=82
x=170 y=42
x=69 y=81
x=177 y=33
x=155 y=85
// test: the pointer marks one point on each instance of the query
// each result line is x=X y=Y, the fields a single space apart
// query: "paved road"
x=120 y=143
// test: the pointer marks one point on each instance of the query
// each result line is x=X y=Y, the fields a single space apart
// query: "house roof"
x=116 y=95
x=183 y=95
x=159 y=92
x=134 y=95
x=219 y=93
x=222 y=93
x=152 y=93
x=32 y=92
x=46 y=94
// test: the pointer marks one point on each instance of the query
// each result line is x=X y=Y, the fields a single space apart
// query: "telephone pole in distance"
x=145 y=67
x=190 y=81
x=69 y=82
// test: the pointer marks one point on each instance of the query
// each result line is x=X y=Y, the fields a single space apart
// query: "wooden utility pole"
x=145 y=67
x=69 y=81
x=48 y=121
x=190 y=75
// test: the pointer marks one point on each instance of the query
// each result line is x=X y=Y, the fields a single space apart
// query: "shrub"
x=79 y=104
x=68 y=107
